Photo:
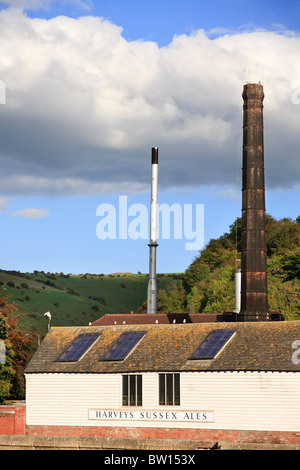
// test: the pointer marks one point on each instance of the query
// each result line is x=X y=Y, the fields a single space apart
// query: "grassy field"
x=74 y=299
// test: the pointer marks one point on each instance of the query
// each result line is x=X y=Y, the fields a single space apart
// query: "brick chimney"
x=254 y=291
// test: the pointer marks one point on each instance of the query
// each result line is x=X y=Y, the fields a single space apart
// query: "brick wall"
x=209 y=435
x=12 y=419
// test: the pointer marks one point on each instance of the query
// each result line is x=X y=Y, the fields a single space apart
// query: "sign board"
x=152 y=415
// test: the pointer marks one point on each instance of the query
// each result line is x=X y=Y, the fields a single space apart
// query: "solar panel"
x=122 y=346
x=78 y=347
x=212 y=345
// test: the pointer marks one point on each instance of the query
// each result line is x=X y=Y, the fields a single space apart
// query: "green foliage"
x=233 y=238
x=217 y=253
x=284 y=297
x=3 y=327
x=196 y=272
x=285 y=266
x=291 y=266
x=171 y=299
x=220 y=292
x=196 y=297
x=282 y=235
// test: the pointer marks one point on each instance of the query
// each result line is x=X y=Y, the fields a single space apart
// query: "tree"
x=220 y=292
x=233 y=238
x=171 y=299
x=196 y=298
x=291 y=266
x=18 y=346
x=196 y=272
x=282 y=235
x=7 y=371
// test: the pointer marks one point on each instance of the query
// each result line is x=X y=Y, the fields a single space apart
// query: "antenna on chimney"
x=152 y=290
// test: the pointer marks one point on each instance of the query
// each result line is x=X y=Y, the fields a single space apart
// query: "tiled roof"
x=167 y=347
x=160 y=318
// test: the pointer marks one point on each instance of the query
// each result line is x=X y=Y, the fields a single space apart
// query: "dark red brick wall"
x=12 y=419
x=261 y=437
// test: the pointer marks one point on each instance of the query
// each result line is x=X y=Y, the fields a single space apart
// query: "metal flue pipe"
x=237 y=284
x=152 y=289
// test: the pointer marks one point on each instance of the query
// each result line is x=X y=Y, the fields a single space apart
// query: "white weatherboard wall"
x=239 y=400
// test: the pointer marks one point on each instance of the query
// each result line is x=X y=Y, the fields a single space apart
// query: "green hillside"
x=74 y=299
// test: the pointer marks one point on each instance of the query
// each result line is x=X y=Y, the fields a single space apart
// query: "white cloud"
x=36 y=4
x=232 y=193
x=3 y=203
x=84 y=106
x=31 y=213
x=29 y=185
x=22 y=4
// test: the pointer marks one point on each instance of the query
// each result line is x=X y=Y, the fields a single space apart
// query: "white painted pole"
x=152 y=289
x=237 y=291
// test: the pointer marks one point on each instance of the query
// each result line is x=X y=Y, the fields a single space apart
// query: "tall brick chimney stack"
x=254 y=291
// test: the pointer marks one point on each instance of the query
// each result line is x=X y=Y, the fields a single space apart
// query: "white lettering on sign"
x=142 y=415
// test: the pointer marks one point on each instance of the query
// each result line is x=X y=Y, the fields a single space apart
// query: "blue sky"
x=159 y=21
x=91 y=86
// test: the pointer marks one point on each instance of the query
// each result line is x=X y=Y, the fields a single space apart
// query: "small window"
x=79 y=346
x=169 y=389
x=132 y=390
x=213 y=344
x=120 y=349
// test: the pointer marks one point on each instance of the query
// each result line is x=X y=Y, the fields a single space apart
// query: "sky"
x=88 y=87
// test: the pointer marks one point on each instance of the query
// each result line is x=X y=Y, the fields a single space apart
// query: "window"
x=132 y=390
x=169 y=389
x=213 y=344
x=78 y=347
x=123 y=346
